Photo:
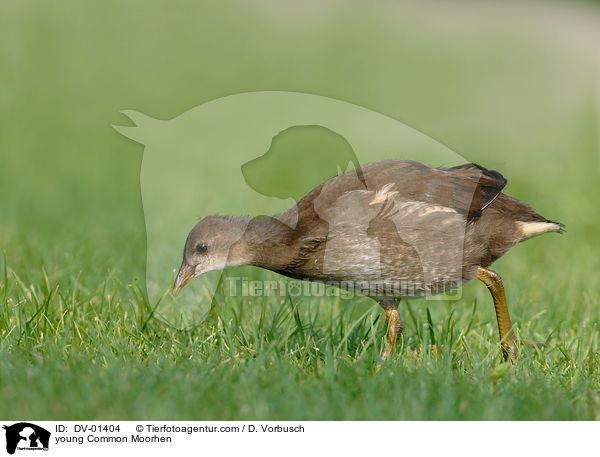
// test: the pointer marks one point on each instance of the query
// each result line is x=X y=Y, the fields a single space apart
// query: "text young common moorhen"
x=404 y=229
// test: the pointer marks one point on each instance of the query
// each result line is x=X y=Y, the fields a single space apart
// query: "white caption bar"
x=154 y=438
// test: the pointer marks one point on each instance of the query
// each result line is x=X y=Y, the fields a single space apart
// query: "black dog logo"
x=31 y=434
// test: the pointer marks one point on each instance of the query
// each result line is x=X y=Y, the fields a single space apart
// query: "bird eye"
x=202 y=248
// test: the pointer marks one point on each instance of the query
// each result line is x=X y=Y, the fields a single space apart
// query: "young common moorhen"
x=394 y=228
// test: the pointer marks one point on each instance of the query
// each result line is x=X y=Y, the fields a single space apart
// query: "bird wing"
x=408 y=213
x=467 y=189
x=477 y=186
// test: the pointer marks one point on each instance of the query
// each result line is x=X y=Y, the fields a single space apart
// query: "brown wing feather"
x=468 y=188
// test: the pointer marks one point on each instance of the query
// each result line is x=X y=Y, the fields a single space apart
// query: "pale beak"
x=185 y=275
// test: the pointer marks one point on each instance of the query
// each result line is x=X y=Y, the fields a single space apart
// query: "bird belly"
x=366 y=267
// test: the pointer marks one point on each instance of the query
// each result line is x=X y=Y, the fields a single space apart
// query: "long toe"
x=538 y=344
x=385 y=353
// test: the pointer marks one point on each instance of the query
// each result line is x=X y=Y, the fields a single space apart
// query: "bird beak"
x=185 y=275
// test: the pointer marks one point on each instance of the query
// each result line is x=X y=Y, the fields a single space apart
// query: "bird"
x=389 y=230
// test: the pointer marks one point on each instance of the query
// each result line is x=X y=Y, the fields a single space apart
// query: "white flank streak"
x=530 y=229
x=435 y=209
x=382 y=194
x=423 y=209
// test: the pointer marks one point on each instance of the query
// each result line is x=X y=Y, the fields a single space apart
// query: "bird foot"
x=510 y=350
x=394 y=324
x=535 y=343
x=386 y=353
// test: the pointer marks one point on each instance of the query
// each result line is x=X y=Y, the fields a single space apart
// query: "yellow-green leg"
x=507 y=337
x=394 y=326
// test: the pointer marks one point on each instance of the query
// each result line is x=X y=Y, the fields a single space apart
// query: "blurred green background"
x=513 y=87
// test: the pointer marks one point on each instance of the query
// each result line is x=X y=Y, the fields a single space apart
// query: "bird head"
x=213 y=244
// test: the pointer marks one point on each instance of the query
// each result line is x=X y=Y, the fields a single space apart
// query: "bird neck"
x=266 y=243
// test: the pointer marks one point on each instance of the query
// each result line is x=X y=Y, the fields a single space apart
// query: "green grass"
x=79 y=341
x=76 y=353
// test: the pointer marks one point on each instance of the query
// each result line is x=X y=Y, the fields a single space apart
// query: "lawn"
x=511 y=88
